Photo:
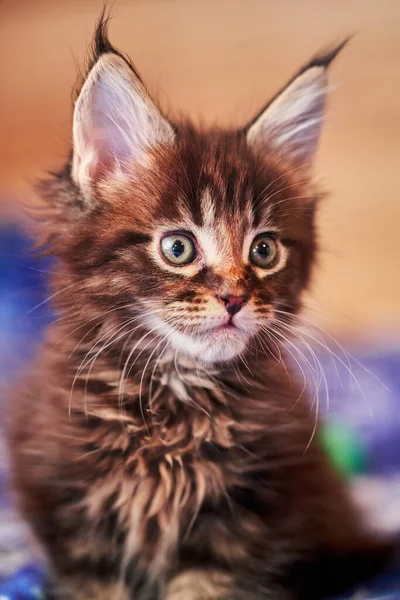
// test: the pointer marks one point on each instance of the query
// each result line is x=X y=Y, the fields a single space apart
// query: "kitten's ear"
x=115 y=121
x=291 y=122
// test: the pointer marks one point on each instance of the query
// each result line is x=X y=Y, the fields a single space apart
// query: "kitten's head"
x=202 y=235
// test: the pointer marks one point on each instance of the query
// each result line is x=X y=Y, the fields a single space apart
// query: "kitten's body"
x=152 y=464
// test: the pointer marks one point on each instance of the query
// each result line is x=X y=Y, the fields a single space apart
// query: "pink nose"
x=233 y=303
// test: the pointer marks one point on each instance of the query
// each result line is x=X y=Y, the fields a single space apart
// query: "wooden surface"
x=219 y=60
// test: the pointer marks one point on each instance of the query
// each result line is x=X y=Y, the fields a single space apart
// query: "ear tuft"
x=101 y=42
x=291 y=122
x=101 y=45
x=325 y=57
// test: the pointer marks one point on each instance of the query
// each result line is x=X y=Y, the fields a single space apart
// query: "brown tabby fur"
x=201 y=483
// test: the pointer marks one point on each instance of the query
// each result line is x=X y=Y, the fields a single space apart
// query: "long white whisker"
x=91 y=320
x=341 y=361
x=86 y=361
x=322 y=377
x=154 y=371
x=272 y=332
x=278 y=178
x=31 y=310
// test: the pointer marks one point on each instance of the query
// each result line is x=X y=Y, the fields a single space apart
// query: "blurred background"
x=219 y=61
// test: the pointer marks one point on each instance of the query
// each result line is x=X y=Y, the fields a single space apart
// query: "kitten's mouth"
x=226 y=330
x=227 y=326
x=218 y=341
x=230 y=326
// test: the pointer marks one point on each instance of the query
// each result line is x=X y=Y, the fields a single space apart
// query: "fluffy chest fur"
x=181 y=445
x=150 y=476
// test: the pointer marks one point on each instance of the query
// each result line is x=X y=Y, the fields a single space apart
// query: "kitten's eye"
x=264 y=251
x=178 y=249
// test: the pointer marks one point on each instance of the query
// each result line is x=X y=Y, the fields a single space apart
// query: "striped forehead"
x=220 y=235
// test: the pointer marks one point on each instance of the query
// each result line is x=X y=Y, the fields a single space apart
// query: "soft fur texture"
x=161 y=447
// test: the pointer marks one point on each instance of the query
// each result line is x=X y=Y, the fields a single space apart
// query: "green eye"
x=178 y=249
x=264 y=251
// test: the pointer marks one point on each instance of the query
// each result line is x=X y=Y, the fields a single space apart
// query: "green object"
x=344 y=448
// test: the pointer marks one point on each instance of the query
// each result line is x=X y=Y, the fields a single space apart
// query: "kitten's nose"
x=233 y=303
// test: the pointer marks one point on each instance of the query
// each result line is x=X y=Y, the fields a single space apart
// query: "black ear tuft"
x=325 y=57
x=321 y=59
x=102 y=45
x=291 y=122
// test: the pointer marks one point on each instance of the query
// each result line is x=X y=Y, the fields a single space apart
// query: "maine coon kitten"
x=161 y=449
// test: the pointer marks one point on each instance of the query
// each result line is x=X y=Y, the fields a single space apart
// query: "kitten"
x=161 y=450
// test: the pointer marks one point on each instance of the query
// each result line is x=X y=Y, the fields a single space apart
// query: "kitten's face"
x=204 y=243
x=224 y=268
x=203 y=236
x=228 y=243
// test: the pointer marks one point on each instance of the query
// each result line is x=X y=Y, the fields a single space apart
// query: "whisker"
x=154 y=371
x=86 y=361
x=317 y=362
x=141 y=382
x=266 y=199
x=279 y=177
x=271 y=333
x=106 y=312
x=347 y=366
x=31 y=310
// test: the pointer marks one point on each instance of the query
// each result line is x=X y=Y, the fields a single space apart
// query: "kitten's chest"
x=157 y=472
